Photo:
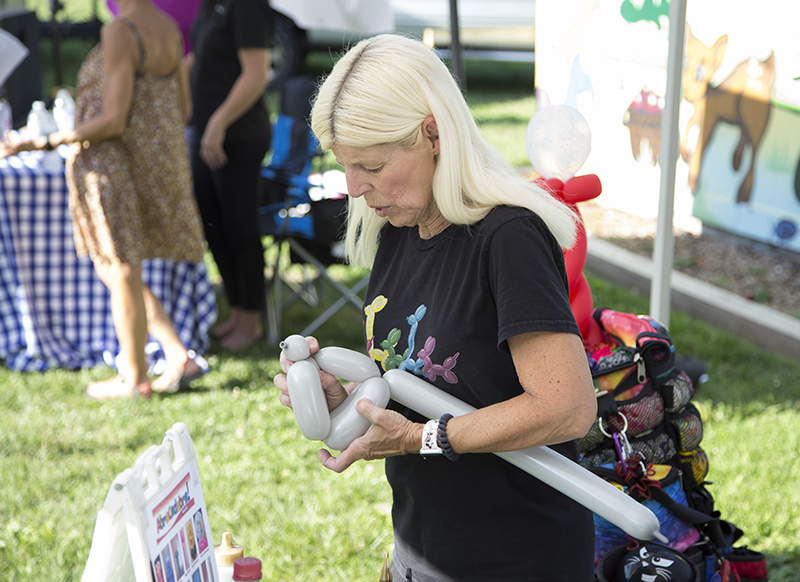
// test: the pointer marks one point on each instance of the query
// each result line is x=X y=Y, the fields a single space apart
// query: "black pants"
x=228 y=201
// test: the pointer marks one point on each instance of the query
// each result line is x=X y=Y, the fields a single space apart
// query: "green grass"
x=59 y=452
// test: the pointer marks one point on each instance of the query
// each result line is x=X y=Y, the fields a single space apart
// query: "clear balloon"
x=558 y=141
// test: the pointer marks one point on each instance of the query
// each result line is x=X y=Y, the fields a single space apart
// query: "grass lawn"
x=59 y=452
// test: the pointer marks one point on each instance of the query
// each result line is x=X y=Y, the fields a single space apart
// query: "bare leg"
x=124 y=282
x=162 y=328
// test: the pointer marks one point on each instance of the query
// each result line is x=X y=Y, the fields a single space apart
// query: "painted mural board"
x=739 y=118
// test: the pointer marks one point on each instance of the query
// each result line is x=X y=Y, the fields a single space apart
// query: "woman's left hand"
x=389 y=434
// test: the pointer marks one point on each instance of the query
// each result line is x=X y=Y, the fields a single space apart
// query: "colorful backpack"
x=646 y=440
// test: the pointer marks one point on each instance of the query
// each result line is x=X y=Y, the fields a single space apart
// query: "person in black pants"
x=230 y=136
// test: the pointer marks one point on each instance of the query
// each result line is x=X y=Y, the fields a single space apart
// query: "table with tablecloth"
x=54 y=310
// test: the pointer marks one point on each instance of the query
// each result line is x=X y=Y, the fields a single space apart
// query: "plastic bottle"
x=41 y=123
x=6 y=119
x=226 y=554
x=64 y=110
x=247 y=569
x=40 y=120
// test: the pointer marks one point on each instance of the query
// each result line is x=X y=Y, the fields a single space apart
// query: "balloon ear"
x=582 y=188
x=556 y=185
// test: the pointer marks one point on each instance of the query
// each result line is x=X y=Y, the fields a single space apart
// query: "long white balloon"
x=543 y=463
x=409 y=390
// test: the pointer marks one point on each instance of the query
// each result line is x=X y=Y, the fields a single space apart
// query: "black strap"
x=690 y=515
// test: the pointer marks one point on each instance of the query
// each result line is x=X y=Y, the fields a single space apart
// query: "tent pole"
x=456 y=53
x=663 y=250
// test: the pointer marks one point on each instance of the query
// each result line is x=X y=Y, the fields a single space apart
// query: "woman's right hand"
x=335 y=393
x=12 y=148
x=212 y=150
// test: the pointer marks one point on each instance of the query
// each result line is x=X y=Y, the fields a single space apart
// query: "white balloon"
x=558 y=141
x=543 y=463
x=295 y=347
x=346 y=422
x=347 y=364
x=308 y=400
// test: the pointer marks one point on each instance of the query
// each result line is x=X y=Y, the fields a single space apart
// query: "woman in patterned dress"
x=130 y=188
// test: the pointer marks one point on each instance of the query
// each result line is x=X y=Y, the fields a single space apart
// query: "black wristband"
x=441 y=432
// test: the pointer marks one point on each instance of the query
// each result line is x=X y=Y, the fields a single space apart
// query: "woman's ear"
x=431 y=132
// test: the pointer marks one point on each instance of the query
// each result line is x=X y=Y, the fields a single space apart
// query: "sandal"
x=116 y=387
x=178 y=379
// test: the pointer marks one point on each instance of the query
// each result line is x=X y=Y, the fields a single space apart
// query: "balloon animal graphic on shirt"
x=338 y=428
x=558 y=142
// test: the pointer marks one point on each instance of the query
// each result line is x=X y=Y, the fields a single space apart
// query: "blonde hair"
x=379 y=93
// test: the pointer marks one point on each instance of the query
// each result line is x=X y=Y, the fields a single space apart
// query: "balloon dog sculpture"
x=344 y=424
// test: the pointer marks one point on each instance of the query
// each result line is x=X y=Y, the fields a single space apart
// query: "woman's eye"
x=372 y=170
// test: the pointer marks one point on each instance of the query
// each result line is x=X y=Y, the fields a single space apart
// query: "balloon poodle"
x=558 y=142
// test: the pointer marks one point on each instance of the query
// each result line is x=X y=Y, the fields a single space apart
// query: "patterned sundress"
x=131 y=197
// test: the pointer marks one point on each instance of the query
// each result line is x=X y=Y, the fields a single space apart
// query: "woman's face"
x=396 y=183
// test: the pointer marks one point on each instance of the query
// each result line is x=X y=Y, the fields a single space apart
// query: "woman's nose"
x=356 y=187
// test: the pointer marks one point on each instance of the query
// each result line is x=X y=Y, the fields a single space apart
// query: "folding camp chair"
x=303 y=213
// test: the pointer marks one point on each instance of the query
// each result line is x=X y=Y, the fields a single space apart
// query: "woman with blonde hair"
x=468 y=290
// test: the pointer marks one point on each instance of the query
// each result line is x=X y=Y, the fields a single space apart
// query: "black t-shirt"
x=443 y=308
x=221 y=28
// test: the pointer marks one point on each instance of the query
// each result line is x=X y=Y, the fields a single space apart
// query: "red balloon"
x=581 y=302
x=581 y=189
x=575 y=257
x=574 y=190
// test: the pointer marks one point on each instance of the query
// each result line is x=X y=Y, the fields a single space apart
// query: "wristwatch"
x=430 y=442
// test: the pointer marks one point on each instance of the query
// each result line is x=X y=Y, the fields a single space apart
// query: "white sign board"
x=153 y=526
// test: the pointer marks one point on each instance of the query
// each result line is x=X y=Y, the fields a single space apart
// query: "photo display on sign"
x=178 y=535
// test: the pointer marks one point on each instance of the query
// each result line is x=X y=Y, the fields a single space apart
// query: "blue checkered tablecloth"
x=54 y=310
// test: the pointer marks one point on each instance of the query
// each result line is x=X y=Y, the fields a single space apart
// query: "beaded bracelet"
x=447 y=450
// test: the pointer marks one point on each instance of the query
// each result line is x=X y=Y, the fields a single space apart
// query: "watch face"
x=430 y=443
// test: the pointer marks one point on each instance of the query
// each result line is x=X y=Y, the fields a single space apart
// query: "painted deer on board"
x=743 y=99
